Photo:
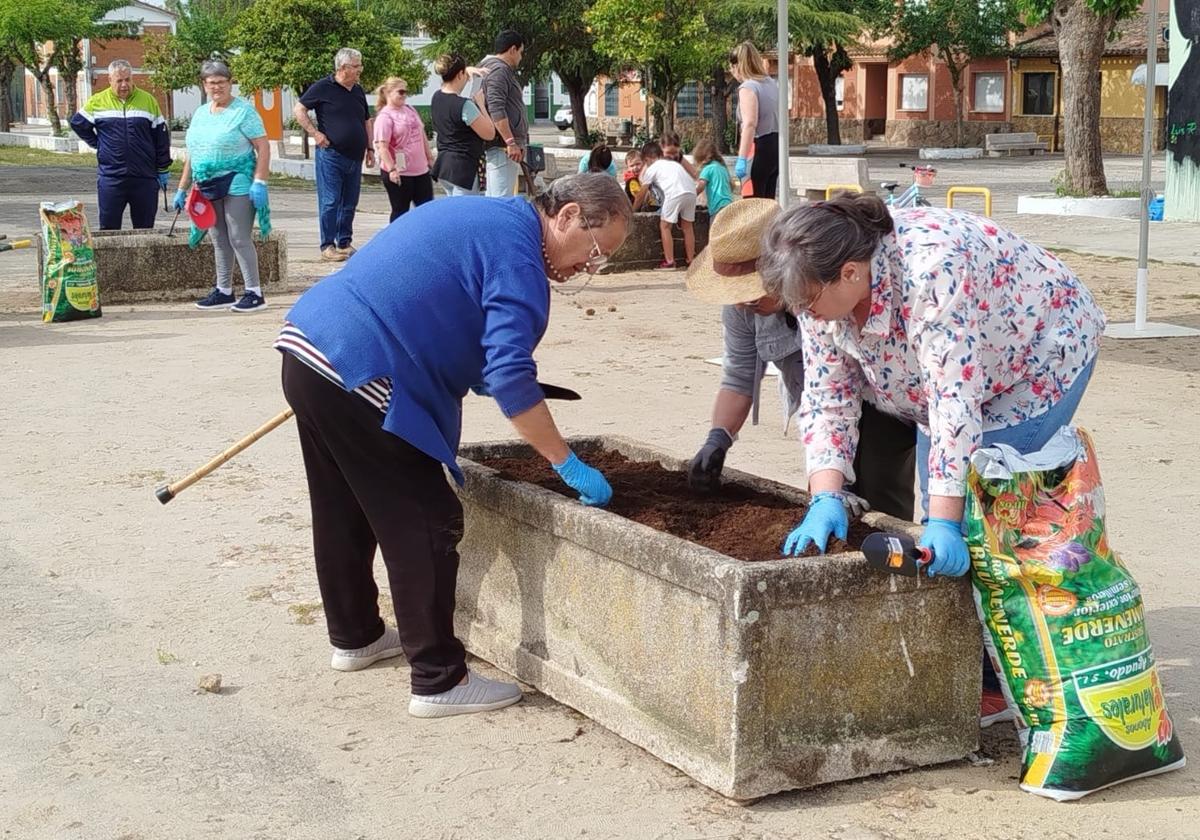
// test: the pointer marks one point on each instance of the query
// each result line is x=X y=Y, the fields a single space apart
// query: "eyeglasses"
x=806 y=306
x=597 y=259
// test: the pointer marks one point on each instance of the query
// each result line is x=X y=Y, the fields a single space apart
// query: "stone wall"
x=808 y=130
x=1118 y=135
x=940 y=133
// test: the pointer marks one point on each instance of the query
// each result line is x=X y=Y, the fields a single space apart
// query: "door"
x=541 y=101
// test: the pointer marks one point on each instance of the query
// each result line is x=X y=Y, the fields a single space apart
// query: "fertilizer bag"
x=1063 y=621
x=69 y=290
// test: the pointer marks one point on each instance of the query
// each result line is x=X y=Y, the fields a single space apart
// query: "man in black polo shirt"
x=343 y=138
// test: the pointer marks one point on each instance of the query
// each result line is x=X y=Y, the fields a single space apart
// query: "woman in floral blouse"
x=938 y=316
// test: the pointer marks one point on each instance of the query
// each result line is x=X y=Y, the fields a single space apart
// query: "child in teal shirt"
x=714 y=177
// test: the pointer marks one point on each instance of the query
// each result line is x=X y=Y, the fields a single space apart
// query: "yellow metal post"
x=832 y=188
x=983 y=191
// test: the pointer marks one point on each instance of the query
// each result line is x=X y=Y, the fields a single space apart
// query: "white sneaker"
x=477 y=694
x=385 y=647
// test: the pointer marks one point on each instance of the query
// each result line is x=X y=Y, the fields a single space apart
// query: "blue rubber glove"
x=592 y=486
x=945 y=539
x=180 y=199
x=739 y=168
x=258 y=194
x=826 y=515
x=163 y=178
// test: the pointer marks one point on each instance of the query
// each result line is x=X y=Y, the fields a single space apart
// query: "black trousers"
x=370 y=488
x=886 y=462
x=764 y=170
x=413 y=190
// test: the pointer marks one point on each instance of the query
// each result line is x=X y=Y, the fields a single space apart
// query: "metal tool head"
x=896 y=554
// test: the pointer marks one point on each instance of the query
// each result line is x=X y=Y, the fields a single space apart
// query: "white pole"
x=1140 y=328
x=1143 y=270
x=781 y=49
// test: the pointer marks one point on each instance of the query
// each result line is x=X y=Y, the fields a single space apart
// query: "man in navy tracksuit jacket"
x=133 y=146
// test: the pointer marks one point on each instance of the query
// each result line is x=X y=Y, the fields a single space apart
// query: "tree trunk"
x=577 y=88
x=956 y=84
x=51 y=101
x=1081 y=35
x=716 y=92
x=7 y=71
x=669 y=110
x=827 y=80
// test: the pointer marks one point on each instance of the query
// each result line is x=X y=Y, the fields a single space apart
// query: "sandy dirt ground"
x=116 y=607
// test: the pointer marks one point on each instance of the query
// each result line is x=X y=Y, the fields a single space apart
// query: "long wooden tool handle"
x=168 y=492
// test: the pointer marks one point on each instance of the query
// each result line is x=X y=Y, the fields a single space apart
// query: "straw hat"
x=727 y=270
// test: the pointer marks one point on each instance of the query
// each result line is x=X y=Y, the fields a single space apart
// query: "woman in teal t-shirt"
x=226 y=140
x=714 y=177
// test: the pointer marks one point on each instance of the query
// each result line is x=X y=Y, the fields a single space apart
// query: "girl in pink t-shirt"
x=402 y=148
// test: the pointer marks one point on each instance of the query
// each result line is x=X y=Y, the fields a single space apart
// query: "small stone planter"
x=1103 y=206
x=752 y=678
x=643 y=246
x=953 y=153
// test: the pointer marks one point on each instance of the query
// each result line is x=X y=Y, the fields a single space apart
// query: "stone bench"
x=643 y=247
x=136 y=266
x=1019 y=141
x=752 y=678
x=810 y=176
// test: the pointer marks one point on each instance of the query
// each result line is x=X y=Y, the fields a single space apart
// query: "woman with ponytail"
x=937 y=316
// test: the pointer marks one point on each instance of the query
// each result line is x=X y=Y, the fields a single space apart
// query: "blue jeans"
x=1026 y=437
x=502 y=173
x=452 y=189
x=339 y=179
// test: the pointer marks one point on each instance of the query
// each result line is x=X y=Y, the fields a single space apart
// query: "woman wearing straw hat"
x=758 y=330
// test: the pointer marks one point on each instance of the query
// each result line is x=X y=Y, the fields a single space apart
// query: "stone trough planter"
x=752 y=678
x=134 y=266
x=1103 y=206
x=643 y=247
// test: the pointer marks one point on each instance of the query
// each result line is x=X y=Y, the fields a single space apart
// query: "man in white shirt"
x=678 y=197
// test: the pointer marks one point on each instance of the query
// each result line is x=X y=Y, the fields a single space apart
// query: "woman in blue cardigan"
x=451 y=297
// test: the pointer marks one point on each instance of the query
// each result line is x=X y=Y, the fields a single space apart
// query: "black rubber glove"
x=704 y=475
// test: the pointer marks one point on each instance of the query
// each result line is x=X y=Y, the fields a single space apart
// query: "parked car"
x=563 y=118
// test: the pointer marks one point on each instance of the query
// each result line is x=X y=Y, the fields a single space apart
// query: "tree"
x=956 y=32
x=292 y=43
x=670 y=41
x=68 y=57
x=10 y=61
x=1080 y=28
x=573 y=55
x=469 y=27
x=202 y=32
x=37 y=28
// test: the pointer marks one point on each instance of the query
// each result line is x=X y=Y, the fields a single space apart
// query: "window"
x=914 y=93
x=708 y=104
x=687 y=104
x=1037 y=93
x=989 y=92
x=610 y=99
x=839 y=91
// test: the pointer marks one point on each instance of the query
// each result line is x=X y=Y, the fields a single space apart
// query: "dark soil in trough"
x=736 y=521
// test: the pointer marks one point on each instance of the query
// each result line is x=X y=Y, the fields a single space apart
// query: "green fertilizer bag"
x=69 y=290
x=1063 y=621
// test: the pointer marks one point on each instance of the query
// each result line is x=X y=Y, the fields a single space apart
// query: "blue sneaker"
x=216 y=300
x=250 y=302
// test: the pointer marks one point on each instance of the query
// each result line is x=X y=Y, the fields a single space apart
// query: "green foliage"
x=1037 y=11
x=956 y=30
x=671 y=41
x=292 y=43
x=202 y=32
x=469 y=27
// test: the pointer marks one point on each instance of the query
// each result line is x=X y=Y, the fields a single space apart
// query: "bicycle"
x=922 y=177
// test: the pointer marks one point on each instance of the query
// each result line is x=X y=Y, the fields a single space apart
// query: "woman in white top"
x=758 y=110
